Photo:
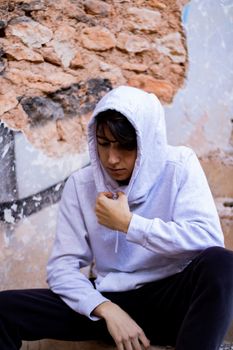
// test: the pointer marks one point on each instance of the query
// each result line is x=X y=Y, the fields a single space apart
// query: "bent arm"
x=195 y=223
x=71 y=252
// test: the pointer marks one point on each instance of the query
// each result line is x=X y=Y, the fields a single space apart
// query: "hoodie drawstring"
x=115 y=196
x=117 y=242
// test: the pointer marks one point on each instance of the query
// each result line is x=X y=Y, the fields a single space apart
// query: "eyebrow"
x=105 y=138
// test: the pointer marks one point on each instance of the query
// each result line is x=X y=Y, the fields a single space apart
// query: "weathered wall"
x=56 y=61
x=59 y=58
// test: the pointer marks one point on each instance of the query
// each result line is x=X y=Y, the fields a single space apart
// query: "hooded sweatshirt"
x=174 y=216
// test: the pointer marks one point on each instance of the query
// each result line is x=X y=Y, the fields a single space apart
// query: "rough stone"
x=64 y=50
x=32 y=33
x=172 y=46
x=156 y=4
x=8 y=101
x=98 y=38
x=77 y=61
x=159 y=70
x=176 y=68
x=43 y=76
x=16 y=118
x=50 y=55
x=106 y=67
x=21 y=52
x=63 y=44
x=132 y=43
x=137 y=67
x=115 y=77
x=96 y=7
x=35 y=5
x=161 y=88
x=144 y=19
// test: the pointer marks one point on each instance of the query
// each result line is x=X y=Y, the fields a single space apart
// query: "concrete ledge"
x=88 y=345
x=66 y=345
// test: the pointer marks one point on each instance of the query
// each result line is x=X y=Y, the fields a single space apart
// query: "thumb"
x=121 y=195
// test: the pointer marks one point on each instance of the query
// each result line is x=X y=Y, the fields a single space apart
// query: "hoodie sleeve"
x=71 y=251
x=195 y=223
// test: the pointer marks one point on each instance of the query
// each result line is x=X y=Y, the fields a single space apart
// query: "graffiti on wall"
x=78 y=99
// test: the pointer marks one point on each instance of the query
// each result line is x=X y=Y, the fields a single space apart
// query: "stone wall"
x=58 y=58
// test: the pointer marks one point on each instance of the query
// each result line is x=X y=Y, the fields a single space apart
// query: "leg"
x=191 y=309
x=38 y=314
x=211 y=304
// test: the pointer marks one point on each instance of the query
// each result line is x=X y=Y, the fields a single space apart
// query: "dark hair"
x=122 y=130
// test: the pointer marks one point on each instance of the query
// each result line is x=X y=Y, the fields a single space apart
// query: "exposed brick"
x=137 y=67
x=7 y=102
x=98 y=38
x=19 y=52
x=77 y=61
x=157 y=4
x=97 y=7
x=32 y=33
x=171 y=45
x=143 y=19
x=161 y=88
x=132 y=43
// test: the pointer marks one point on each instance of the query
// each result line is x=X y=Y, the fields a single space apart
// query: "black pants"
x=190 y=310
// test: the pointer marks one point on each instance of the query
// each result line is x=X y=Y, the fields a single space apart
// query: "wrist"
x=127 y=222
x=102 y=309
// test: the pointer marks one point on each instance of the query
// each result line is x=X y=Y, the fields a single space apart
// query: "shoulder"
x=180 y=155
x=80 y=181
x=82 y=176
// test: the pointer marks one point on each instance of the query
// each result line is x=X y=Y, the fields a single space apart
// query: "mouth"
x=116 y=172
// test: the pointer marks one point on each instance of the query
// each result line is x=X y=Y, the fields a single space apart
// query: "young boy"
x=143 y=212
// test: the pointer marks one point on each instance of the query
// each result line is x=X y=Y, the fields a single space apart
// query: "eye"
x=103 y=143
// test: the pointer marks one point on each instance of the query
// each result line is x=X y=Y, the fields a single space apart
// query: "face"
x=116 y=160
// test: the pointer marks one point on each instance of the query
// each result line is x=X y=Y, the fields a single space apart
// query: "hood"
x=146 y=114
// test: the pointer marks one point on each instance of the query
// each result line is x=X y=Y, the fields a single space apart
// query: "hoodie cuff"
x=90 y=303
x=138 y=228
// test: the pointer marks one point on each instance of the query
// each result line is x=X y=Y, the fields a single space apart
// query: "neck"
x=123 y=182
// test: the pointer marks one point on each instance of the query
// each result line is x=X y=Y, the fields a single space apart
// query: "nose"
x=113 y=156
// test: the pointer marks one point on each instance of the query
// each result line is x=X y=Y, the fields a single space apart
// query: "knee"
x=216 y=264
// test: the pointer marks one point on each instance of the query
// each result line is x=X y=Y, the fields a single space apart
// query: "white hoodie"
x=174 y=216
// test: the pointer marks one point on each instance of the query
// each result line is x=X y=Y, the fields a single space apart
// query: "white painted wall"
x=200 y=115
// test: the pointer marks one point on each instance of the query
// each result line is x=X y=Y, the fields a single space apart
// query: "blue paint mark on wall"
x=185 y=14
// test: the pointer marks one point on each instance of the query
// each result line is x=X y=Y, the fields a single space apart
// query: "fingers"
x=144 y=340
x=137 y=342
x=128 y=345
x=109 y=194
x=133 y=344
x=105 y=194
